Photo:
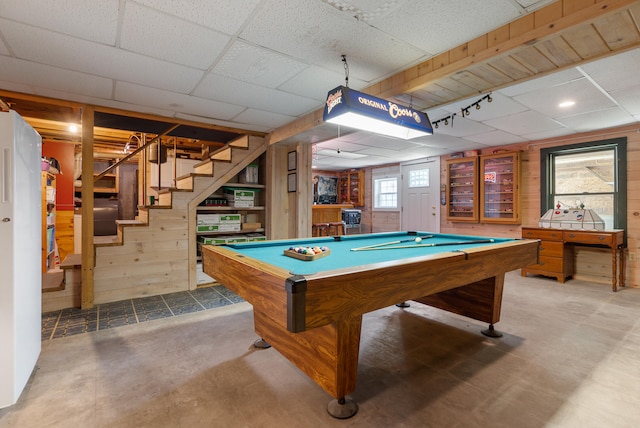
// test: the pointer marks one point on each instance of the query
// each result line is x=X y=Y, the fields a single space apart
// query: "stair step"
x=131 y=222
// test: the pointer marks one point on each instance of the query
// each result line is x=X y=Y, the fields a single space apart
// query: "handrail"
x=135 y=152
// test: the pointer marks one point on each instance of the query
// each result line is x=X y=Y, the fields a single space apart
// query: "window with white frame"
x=385 y=192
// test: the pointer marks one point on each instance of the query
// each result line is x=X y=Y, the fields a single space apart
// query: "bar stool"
x=337 y=228
x=319 y=229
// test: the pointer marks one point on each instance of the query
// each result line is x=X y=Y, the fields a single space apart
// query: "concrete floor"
x=569 y=357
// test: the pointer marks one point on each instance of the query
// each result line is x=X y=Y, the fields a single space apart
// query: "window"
x=419 y=178
x=590 y=176
x=385 y=192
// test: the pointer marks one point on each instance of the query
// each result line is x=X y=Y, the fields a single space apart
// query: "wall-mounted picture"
x=291 y=182
x=292 y=161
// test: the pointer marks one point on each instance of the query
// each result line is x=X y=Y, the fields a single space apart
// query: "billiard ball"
x=418 y=240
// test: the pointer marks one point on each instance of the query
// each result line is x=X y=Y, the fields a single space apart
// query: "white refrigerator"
x=20 y=254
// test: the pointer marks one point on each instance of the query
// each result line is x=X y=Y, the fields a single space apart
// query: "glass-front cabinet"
x=462 y=192
x=499 y=193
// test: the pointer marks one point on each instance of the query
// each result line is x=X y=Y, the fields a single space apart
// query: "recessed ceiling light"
x=565 y=104
x=73 y=128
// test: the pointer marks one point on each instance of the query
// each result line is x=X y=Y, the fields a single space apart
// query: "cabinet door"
x=356 y=196
x=499 y=189
x=462 y=194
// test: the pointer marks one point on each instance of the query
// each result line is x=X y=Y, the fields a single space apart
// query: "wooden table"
x=311 y=311
x=556 y=255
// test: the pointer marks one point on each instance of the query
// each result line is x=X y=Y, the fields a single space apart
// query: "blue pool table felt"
x=342 y=256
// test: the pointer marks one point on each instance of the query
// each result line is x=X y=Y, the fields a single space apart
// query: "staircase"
x=156 y=254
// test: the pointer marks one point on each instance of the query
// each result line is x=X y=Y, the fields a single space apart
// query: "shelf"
x=462 y=190
x=350 y=187
x=228 y=208
x=500 y=174
x=239 y=232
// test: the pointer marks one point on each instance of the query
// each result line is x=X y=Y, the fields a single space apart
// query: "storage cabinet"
x=499 y=189
x=462 y=194
x=48 y=221
x=556 y=259
x=351 y=188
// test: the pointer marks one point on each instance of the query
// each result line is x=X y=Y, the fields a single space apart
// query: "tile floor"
x=71 y=321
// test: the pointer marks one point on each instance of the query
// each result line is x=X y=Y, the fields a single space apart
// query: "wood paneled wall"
x=591 y=263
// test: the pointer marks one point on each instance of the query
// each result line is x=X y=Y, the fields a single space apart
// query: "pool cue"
x=391 y=243
x=441 y=244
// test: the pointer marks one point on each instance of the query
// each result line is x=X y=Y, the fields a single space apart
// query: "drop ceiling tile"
x=323 y=81
x=629 y=99
x=227 y=16
x=460 y=127
x=625 y=66
x=554 y=133
x=322 y=34
x=526 y=122
x=541 y=82
x=450 y=143
x=495 y=138
x=158 y=35
x=53 y=78
x=377 y=151
x=607 y=118
x=3 y=48
x=257 y=65
x=498 y=107
x=225 y=89
x=69 y=53
x=436 y=19
x=425 y=152
x=171 y=101
x=337 y=143
x=264 y=118
x=90 y=20
x=227 y=123
x=586 y=96
x=375 y=140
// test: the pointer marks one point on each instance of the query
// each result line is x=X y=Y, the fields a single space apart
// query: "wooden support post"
x=88 y=251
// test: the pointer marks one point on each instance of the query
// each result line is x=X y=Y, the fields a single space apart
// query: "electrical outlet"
x=632 y=257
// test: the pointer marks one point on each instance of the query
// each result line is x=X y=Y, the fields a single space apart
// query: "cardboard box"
x=234 y=239
x=212 y=240
x=207 y=218
x=251 y=237
x=229 y=227
x=241 y=204
x=251 y=226
x=239 y=194
x=213 y=219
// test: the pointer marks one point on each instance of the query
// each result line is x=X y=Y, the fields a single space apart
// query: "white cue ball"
x=418 y=240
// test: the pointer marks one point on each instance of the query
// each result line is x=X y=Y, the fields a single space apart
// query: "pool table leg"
x=491 y=332
x=480 y=300
x=261 y=344
x=327 y=354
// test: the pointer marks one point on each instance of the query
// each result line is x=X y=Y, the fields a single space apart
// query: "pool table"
x=311 y=311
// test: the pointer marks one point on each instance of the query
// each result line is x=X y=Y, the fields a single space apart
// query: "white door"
x=421 y=195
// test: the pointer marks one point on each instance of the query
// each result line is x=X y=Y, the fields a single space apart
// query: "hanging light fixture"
x=354 y=109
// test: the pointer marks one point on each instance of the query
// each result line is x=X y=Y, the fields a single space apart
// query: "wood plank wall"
x=591 y=264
